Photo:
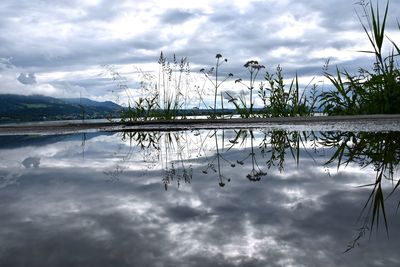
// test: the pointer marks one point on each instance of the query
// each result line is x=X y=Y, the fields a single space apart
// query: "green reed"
x=370 y=91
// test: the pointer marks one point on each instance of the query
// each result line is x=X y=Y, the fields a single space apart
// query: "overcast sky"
x=58 y=48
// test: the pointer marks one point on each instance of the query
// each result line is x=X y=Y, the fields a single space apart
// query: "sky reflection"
x=157 y=199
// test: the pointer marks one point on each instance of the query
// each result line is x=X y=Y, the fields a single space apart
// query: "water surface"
x=200 y=198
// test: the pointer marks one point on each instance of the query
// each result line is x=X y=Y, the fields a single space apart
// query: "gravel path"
x=317 y=123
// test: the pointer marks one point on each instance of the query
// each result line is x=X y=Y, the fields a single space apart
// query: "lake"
x=231 y=197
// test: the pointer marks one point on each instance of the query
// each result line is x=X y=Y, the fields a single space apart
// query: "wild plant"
x=348 y=96
x=121 y=81
x=282 y=102
x=375 y=91
x=212 y=75
x=170 y=84
x=263 y=95
x=160 y=98
x=143 y=109
x=240 y=103
x=181 y=70
x=200 y=92
x=146 y=106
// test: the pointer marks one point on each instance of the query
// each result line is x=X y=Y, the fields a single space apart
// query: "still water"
x=200 y=198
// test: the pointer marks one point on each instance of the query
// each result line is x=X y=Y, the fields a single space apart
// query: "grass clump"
x=375 y=91
x=284 y=103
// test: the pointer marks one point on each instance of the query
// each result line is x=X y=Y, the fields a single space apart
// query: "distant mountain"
x=91 y=103
x=39 y=108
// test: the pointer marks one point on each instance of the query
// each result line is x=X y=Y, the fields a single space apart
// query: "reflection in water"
x=215 y=163
x=381 y=150
x=256 y=173
x=305 y=193
x=31 y=162
x=213 y=147
x=170 y=150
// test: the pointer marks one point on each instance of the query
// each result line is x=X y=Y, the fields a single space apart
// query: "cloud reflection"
x=296 y=215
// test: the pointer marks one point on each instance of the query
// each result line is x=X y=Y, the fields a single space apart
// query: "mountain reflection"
x=200 y=198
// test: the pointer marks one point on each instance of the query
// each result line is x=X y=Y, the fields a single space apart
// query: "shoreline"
x=359 y=122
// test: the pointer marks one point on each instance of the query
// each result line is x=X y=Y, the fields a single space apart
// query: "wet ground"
x=322 y=123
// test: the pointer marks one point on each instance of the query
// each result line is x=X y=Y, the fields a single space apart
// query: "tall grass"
x=369 y=91
x=162 y=96
x=171 y=85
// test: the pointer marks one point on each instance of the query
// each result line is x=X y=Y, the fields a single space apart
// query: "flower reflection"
x=255 y=175
x=382 y=150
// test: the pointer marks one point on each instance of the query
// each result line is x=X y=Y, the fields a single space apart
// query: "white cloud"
x=15 y=81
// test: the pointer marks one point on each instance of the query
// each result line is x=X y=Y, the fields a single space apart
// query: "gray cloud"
x=177 y=16
x=27 y=78
x=47 y=36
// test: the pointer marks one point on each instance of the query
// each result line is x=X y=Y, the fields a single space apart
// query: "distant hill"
x=14 y=108
x=91 y=103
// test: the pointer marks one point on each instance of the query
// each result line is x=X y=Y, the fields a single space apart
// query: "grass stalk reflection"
x=184 y=156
